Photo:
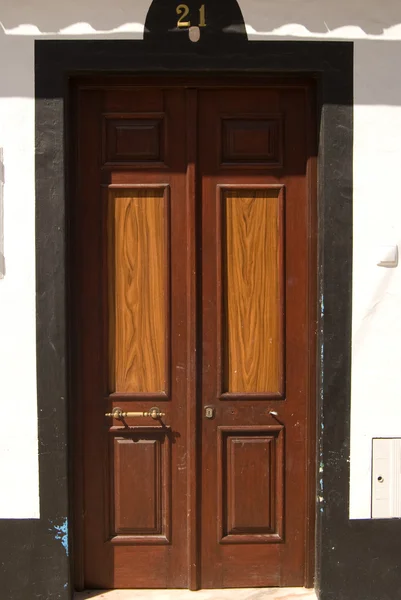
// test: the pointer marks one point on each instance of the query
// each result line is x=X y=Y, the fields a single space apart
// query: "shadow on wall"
x=375 y=83
x=316 y=16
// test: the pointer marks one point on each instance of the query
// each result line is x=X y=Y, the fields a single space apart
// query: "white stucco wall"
x=376 y=384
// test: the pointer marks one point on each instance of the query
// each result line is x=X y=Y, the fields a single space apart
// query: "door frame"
x=330 y=65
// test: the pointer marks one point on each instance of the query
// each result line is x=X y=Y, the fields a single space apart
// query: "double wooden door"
x=191 y=239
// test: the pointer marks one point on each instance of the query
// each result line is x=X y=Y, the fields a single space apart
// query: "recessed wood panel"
x=140 y=480
x=250 y=511
x=253 y=297
x=137 y=486
x=134 y=139
x=252 y=140
x=252 y=484
x=138 y=290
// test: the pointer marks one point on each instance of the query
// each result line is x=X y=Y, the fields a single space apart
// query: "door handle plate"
x=117 y=413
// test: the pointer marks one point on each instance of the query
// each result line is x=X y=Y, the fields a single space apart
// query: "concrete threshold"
x=228 y=594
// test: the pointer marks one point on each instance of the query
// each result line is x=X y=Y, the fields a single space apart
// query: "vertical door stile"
x=192 y=404
x=311 y=180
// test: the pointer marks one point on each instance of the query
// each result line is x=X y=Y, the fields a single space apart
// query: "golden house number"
x=183 y=12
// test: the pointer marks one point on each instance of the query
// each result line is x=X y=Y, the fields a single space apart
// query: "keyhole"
x=380 y=479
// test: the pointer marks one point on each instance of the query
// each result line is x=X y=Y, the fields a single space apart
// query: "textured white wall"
x=376 y=384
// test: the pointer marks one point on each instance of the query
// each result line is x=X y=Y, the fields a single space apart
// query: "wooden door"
x=190 y=249
x=255 y=337
x=133 y=304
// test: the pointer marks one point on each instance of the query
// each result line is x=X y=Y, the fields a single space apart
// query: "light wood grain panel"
x=253 y=297
x=137 y=290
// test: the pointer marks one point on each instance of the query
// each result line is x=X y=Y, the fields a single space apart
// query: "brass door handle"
x=117 y=413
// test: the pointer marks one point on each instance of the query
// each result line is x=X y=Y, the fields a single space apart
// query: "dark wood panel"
x=133 y=138
x=253 y=290
x=252 y=494
x=142 y=484
x=244 y=571
x=249 y=485
x=138 y=289
x=254 y=140
x=137 y=486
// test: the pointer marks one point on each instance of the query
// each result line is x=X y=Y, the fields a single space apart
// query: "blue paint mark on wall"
x=60 y=532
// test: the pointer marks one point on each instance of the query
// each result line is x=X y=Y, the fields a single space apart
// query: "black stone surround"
x=355 y=560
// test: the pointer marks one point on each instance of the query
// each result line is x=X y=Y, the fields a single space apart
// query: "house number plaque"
x=215 y=24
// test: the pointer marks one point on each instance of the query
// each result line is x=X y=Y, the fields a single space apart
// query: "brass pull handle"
x=117 y=413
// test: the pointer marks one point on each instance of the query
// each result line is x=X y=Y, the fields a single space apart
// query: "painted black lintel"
x=33 y=552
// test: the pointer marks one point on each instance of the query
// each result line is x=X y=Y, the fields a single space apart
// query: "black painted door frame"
x=48 y=559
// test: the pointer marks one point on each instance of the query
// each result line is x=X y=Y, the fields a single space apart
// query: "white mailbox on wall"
x=386 y=478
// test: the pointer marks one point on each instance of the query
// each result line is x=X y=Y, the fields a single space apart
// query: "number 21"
x=183 y=12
